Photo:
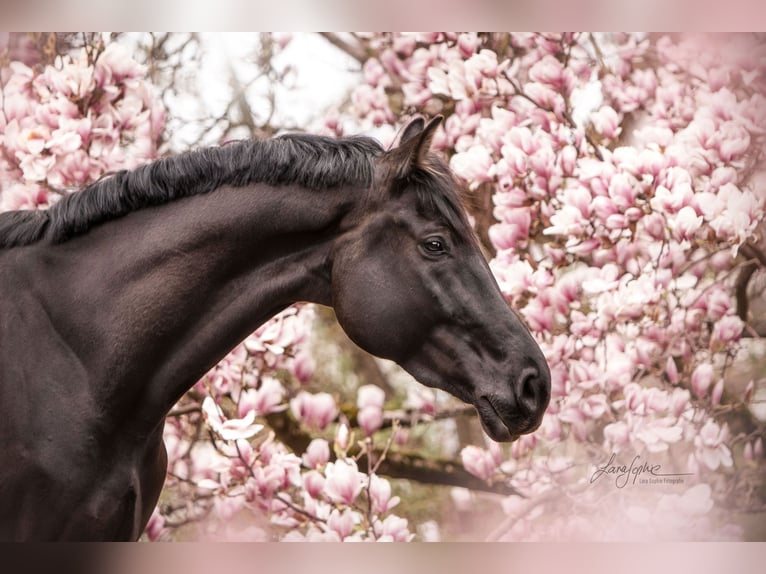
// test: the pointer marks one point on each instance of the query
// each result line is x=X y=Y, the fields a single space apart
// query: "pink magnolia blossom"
x=473 y=165
x=670 y=202
x=374 y=74
x=478 y=462
x=370 y=396
x=594 y=406
x=550 y=70
x=718 y=303
x=380 y=494
x=267 y=480
x=710 y=445
x=343 y=482
x=392 y=529
x=658 y=434
x=341 y=523
x=370 y=402
x=514 y=229
x=568 y=221
x=604 y=207
x=702 y=378
x=156 y=526
x=514 y=162
x=545 y=97
x=316 y=410
x=342 y=437
x=685 y=223
x=671 y=370
x=623 y=190
x=313 y=483
x=606 y=122
x=727 y=330
x=317 y=453
x=468 y=43
x=370 y=419
x=264 y=400
x=717 y=393
x=116 y=65
x=539 y=316
x=679 y=401
x=525 y=444
x=451 y=82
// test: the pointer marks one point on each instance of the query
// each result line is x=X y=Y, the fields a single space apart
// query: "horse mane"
x=315 y=162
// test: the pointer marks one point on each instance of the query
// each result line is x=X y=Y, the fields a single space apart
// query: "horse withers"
x=118 y=298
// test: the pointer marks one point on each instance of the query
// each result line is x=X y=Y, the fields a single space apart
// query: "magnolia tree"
x=614 y=183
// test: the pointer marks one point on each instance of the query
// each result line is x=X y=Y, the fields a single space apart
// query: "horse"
x=116 y=299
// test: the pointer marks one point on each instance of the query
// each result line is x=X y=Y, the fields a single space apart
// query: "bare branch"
x=180 y=411
x=357 y=52
x=740 y=288
x=752 y=252
x=437 y=471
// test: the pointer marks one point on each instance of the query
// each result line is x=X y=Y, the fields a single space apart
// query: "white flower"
x=344 y=481
x=711 y=448
x=473 y=165
x=232 y=429
x=685 y=223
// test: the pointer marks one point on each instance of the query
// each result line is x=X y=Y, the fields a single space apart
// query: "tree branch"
x=356 y=52
x=740 y=288
x=415 y=467
x=436 y=471
x=752 y=252
x=180 y=411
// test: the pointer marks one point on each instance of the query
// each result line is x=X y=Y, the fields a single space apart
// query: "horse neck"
x=151 y=301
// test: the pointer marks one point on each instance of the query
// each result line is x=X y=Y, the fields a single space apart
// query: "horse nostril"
x=528 y=389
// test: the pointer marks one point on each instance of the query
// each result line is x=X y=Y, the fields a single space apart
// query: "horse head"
x=410 y=284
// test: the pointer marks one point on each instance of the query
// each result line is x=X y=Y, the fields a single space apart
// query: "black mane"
x=315 y=162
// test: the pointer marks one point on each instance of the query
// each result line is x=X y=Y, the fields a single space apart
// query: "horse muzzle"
x=518 y=408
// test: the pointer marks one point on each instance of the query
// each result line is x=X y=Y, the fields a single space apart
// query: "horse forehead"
x=408 y=218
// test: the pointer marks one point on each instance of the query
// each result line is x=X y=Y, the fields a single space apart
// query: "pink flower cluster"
x=311 y=498
x=65 y=125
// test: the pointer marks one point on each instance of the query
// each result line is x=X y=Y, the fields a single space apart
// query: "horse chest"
x=54 y=488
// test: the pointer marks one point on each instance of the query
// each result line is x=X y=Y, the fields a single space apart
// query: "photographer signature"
x=637 y=470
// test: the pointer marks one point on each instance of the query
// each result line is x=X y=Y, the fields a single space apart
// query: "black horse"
x=118 y=298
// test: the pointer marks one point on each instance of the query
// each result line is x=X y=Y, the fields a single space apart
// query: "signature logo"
x=638 y=471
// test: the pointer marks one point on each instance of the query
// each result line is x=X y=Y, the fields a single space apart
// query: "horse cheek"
x=373 y=307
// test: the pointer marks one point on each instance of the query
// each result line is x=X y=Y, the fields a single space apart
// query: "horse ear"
x=414 y=145
x=413 y=128
x=426 y=137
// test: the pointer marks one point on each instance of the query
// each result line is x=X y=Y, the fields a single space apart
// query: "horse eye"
x=434 y=245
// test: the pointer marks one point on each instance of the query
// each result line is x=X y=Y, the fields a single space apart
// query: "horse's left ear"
x=412 y=152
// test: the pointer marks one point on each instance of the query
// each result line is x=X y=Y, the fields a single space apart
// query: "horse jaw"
x=505 y=413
